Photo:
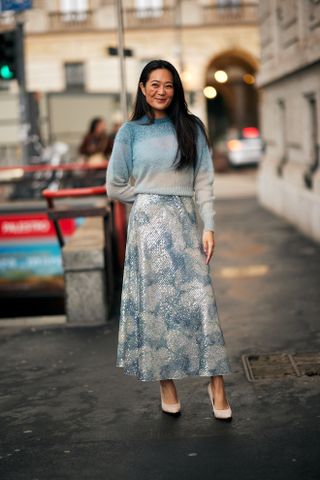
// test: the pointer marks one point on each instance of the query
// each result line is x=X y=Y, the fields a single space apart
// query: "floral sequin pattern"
x=169 y=325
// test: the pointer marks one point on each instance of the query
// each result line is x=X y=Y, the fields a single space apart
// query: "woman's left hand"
x=208 y=243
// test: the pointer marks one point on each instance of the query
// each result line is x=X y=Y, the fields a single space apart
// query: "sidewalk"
x=66 y=411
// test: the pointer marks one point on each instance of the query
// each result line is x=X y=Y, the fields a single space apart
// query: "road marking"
x=247 y=271
x=33 y=321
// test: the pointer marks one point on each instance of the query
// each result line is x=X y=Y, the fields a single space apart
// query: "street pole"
x=23 y=101
x=123 y=93
x=178 y=35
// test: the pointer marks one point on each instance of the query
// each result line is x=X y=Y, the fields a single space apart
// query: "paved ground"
x=236 y=184
x=66 y=412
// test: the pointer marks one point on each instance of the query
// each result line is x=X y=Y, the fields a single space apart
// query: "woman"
x=169 y=326
x=95 y=145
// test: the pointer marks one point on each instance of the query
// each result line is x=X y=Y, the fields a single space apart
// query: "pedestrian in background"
x=169 y=326
x=95 y=144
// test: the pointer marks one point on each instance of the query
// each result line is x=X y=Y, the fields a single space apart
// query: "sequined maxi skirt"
x=169 y=325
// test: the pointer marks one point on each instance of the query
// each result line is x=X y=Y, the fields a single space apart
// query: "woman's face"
x=100 y=127
x=158 y=91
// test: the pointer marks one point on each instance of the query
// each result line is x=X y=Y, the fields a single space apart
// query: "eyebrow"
x=159 y=81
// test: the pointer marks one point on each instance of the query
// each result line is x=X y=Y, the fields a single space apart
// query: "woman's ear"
x=143 y=88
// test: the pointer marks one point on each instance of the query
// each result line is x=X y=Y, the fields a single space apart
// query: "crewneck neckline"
x=156 y=121
x=161 y=120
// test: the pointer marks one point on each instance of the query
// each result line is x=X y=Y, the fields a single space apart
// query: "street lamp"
x=210 y=92
x=221 y=76
x=248 y=79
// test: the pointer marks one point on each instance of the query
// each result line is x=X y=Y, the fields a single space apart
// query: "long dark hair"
x=93 y=124
x=184 y=122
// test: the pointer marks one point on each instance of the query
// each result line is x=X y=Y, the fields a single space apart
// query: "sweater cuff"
x=208 y=224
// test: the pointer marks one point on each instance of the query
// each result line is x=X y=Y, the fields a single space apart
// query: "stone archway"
x=234 y=98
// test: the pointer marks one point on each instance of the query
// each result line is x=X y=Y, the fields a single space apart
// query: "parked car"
x=246 y=149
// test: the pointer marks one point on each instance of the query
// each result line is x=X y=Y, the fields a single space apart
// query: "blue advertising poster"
x=16 y=5
x=21 y=261
x=30 y=256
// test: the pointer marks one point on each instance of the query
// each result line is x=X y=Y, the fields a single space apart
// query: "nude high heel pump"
x=220 y=414
x=170 y=408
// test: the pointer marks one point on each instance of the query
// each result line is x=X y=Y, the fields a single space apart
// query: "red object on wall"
x=32 y=225
x=250 y=132
x=120 y=226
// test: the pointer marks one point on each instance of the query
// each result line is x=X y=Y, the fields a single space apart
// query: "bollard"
x=85 y=279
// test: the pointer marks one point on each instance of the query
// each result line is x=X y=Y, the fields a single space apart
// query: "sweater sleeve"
x=203 y=183
x=120 y=167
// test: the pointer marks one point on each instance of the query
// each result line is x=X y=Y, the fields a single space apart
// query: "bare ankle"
x=166 y=382
x=217 y=383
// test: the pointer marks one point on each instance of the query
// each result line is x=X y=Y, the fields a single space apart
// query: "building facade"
x=289 y=177
x=72 y=62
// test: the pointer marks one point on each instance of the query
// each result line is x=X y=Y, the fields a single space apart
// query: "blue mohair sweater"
x=146 y=153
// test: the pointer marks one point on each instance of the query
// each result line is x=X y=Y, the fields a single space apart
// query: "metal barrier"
x=28 y=181
x=67 y=167
x=114 y=221
x=117 y=210
x=57 y=212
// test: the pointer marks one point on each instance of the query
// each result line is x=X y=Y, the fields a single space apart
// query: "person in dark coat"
x=95 y=143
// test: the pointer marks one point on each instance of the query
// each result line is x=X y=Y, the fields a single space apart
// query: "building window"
x=314 y=147
x=283 y=145
x=74 y=10
x=149 y=8
x=74 y=75
x=228 y=6
x=314 y=131
x=228 y=3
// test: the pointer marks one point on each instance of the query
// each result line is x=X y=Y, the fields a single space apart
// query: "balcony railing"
x=149 y=18
x=166 y=17
x=244 y=13
x=70 y=20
